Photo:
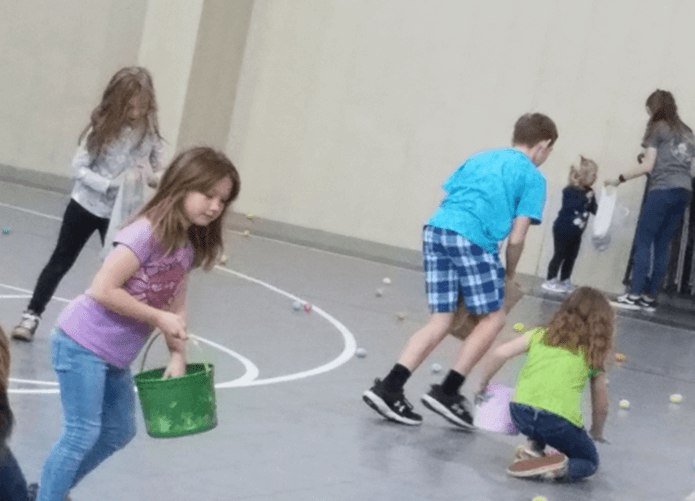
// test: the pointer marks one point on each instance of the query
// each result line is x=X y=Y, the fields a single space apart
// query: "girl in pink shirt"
x=141 y=286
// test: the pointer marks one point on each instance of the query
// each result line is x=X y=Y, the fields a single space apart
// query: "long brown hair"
x=584 y=321
x=197 y=169
x=662 y=104
x=6 y=419
x=111 y=115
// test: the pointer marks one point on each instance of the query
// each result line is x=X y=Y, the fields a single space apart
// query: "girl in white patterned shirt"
x=120 y=146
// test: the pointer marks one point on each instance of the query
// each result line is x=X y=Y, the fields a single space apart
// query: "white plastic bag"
x=601 y=236
x=131 y=196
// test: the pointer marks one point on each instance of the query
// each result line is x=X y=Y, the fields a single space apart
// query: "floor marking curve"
x=250 y=376
x=251 y=372
x=345 y=355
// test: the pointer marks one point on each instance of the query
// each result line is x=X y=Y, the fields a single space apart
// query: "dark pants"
x=565 y=252
x=546 y=428
x=78 y=225
x=13 y=485
x=661 y=216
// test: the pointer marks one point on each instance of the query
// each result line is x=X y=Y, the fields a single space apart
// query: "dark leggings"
x=78 y=225
x=565 y=252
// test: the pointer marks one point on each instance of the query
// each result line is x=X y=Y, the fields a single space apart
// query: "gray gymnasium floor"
x=292 y=425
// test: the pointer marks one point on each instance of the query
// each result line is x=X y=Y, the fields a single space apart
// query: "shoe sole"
x=435 y=406
x=22 y=335
x=375 y=402
x=550 y=289
x=537 y=466
x=627 y=306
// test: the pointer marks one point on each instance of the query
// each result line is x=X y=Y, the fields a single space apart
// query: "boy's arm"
x=499 y=356
x=515 y=244
x=599 y=405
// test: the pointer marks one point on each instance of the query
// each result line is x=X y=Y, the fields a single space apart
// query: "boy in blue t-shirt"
x=494 y=194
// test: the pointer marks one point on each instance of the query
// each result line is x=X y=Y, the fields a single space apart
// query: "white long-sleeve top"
x=96 y=184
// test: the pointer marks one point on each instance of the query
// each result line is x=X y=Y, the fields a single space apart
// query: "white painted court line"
x=27 y=294
x=21 y=209
x=251 y=371
x=345 y=355
x=250 y=374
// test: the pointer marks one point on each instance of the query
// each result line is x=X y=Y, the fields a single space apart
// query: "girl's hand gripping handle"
x=173 y=326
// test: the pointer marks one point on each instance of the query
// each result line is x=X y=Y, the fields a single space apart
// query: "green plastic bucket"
x=176 y=407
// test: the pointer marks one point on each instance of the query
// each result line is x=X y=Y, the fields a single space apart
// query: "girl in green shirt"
x=562 y=356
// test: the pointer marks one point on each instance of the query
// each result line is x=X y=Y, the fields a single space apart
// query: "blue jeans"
x=661 y=216
x=545 y=428
x=99 y=418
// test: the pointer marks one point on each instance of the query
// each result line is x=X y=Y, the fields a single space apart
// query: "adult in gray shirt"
x=669 y=152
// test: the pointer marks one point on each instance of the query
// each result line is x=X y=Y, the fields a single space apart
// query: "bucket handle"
x=191 y=338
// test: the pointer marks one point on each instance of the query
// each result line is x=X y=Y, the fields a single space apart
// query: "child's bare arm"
x=644 y=167
x=178 y=306
x=107 y=289
x=515 y=244
x=599 y=404
x=499 y=356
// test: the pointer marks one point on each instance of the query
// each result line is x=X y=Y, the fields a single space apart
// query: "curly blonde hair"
x=584 y=321
x=580 y=175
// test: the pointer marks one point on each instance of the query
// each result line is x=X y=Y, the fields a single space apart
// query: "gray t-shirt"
x=674 y=153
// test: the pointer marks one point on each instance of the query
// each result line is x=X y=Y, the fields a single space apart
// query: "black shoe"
x=391 y=405
x=647 y=303
x=32 y=491
x=454 y=408
x=629 y=301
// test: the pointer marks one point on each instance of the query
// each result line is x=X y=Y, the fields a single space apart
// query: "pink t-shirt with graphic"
x=117 y=338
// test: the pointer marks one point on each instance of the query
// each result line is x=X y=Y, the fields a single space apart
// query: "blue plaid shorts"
x=454 y=264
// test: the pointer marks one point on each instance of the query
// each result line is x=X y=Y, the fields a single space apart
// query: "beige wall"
x=215 y=70
x=167 y=50
x=347 y=115
x=350 y=114
x=56 y=60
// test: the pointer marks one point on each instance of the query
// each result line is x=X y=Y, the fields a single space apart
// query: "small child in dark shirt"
x=578 y=201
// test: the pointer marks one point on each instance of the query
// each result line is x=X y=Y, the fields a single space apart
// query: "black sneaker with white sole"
x=454 y=408
x=391 y=405
x=647 y=303
x=629 y=301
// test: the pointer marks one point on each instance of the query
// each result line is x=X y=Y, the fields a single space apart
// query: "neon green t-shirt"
x=553 y=378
